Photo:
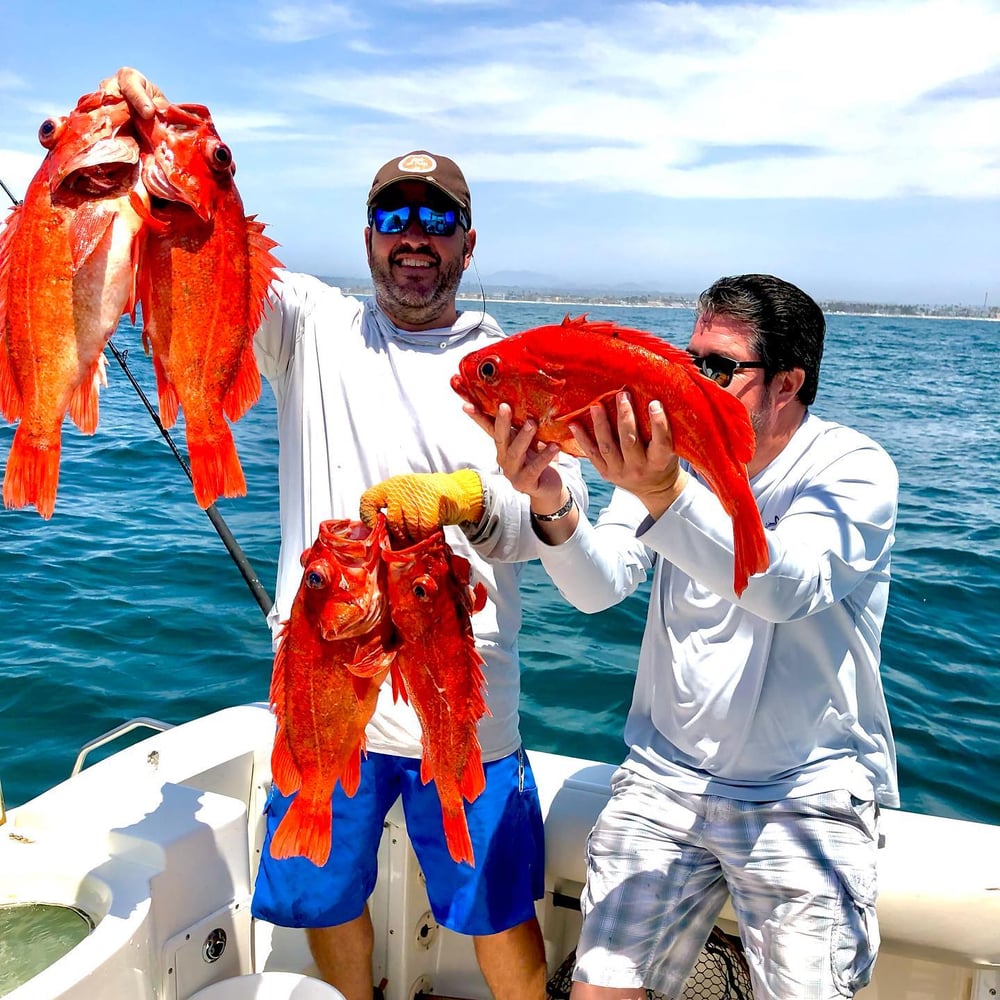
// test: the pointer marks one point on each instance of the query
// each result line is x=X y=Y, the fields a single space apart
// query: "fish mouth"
x=99 y=168
x=462 y=388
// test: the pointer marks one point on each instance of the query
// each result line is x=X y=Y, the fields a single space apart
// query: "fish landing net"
x=720 y=973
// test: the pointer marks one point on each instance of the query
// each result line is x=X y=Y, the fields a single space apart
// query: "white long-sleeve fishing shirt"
x=778 y=692
x=360 y=400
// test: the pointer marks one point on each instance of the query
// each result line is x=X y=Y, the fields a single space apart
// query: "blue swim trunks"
x=505 y=824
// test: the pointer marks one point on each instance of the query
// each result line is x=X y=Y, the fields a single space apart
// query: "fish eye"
x=220 y=158
x=50 y=130
x=489 y=370
x=424 y=588
x=316 y=579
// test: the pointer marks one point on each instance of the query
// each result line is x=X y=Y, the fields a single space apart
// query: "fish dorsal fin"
x=262 y=267
x=640 y=338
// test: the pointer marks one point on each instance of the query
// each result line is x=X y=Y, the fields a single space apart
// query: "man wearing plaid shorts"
x=759 y=740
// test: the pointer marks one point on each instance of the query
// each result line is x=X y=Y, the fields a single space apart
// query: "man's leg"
x=343 y=955
x=513 y=962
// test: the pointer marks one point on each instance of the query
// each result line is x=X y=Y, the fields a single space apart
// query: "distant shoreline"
x=647 y=301
x=691 y=307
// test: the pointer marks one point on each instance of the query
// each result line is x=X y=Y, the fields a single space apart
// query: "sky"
x=850 y=147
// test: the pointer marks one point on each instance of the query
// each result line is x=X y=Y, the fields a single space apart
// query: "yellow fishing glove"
x=418 y=503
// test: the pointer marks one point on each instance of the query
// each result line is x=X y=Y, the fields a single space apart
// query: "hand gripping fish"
x=67 y=273
x=203 y=282
x=430 y=602
x=332 y=656
x=554 y=374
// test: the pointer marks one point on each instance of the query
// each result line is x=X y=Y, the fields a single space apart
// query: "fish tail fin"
x=32 y=475
x=245 y=389
x=306 y=830
x=215 y=466
x=84 y=404
x=456 y=834
x=751 y=554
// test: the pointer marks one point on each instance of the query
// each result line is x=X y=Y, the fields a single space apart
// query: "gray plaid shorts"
x=800 y=872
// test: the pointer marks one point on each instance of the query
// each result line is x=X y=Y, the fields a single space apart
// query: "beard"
x=411 y=303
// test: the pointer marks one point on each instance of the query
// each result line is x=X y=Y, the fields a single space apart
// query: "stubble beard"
x=410 y=305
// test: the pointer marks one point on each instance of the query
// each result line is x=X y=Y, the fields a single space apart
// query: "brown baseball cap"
x=442 y=173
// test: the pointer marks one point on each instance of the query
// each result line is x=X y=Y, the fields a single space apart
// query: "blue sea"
x=126 y=603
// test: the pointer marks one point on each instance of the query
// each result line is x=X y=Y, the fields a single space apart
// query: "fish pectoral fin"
x=553 y=383
x=140 y=205
x=90 y=225
x=284 y=771
x=11 y=403
x=584 y=411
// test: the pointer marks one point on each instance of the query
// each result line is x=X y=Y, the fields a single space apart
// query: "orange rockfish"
x=554 y=374
x=430 y=602
x=333 y=653
x=67 y=273
x=204 y=275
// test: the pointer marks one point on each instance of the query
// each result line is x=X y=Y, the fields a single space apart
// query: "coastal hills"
x=530 y=287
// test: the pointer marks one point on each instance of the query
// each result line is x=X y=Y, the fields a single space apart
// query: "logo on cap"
x=417 y=163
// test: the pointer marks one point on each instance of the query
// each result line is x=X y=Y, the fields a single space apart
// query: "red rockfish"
x=430 y=602
x=204 y=276
x=554 y=374
x=67 y=273
x=333 y=653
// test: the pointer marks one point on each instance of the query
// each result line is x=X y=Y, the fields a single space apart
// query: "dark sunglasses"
x=721 y=369
x=433 y=221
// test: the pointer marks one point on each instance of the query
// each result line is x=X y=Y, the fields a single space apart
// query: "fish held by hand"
x=334 y=651
x=68 y=261
x=554 y=374
x=203 y=284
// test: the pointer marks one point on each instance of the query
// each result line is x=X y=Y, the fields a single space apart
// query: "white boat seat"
x=269 y=986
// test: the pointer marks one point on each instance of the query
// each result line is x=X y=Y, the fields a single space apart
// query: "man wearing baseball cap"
x=367 y=419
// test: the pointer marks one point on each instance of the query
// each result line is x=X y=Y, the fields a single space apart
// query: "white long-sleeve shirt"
x=360 y=400
x=778 y=692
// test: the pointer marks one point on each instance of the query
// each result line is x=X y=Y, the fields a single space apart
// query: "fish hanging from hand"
x=430 y=603
x=333 y=653
x=67 y=273
x=125 y=209
x=203 y=282
x=554 y=374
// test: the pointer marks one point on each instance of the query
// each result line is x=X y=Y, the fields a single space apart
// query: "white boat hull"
x=159 y=844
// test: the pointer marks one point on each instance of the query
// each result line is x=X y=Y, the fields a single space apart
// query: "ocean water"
x=126 y=602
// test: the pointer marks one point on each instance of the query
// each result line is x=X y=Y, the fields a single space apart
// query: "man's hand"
x=143 y=96
x=651 y=471
x=417 y=504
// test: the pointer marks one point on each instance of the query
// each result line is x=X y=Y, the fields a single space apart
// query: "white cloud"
x=815 y=101
x=16 y=171
x=303 y=22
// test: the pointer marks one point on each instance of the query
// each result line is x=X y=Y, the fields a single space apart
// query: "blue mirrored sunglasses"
x=433 y=221
x=721 y=369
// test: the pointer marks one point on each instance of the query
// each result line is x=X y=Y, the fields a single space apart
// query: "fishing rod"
x=218 y=522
